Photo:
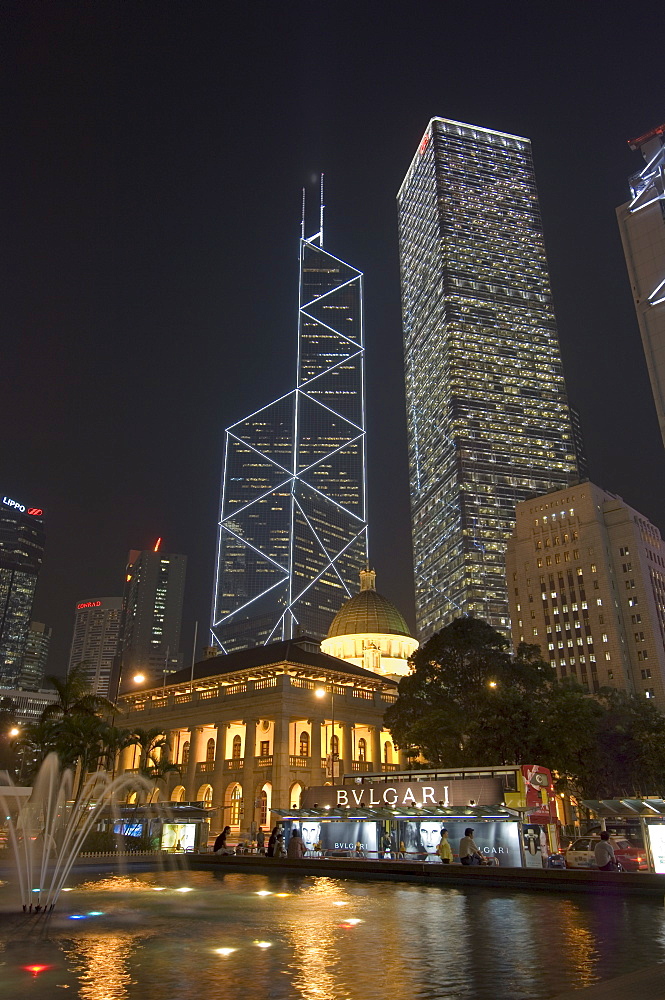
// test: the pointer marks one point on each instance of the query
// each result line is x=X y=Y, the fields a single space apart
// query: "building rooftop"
x=368 y=612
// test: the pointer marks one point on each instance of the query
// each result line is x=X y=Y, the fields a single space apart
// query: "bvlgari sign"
x=406 y=794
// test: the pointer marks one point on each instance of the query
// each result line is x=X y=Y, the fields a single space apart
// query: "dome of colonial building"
x=370 y=631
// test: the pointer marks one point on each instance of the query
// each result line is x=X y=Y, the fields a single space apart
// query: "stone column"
x=315 y=746
x=217 y=779
x=195 y=755
x=347 y=747
x=281 y=773
x=249 y=775
x=375 y=747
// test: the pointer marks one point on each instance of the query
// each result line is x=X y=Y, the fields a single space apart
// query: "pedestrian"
x=270 y=852
x=296 y=846
x=604 y=854
x=279 y=851
x=260 y=841
x=220 y=845
x=444 y=850
x=469 y=852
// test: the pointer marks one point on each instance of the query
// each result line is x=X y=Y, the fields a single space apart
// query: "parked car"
x=631 y=857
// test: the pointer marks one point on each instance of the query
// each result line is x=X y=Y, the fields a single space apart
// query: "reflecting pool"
x=207 y=935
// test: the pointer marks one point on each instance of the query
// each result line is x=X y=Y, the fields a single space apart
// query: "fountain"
x=47 y=826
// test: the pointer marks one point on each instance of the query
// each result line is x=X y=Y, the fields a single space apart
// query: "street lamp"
x=321 y=693
x=138 y=678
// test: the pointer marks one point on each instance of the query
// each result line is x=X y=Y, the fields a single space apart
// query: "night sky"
x=152 y=160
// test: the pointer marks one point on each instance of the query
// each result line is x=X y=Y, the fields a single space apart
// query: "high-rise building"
x=586 y=576
x=95 y=644
x=21 y=554
x=35 y=656
x=292 y=526
x=488 y=418
x=151 y=615
x=642 y=226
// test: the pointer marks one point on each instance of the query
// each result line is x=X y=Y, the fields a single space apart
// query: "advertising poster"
x=535 y=845
x=336 y=836
x=496 y=840
x=656 y=835
x=178 y=836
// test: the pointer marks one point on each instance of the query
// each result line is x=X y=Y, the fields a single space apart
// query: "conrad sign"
x=406 y=794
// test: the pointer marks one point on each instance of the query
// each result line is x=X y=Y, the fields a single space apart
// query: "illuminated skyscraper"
x=21 y=554
x=151 y=615
x=642 y=225
x=95 y=643
x=487 y=412
x=292 y=527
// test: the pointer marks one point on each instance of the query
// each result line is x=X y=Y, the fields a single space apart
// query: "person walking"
x=604 y=854
x=469 y=852
x=296 y=846
x=279 y=851
x=444 y=850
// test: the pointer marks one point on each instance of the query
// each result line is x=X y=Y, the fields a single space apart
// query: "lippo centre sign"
x=405 y=794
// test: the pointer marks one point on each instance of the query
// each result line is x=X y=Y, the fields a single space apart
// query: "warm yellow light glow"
x=184 y=888
x=263 y=944
x=352 y=920
x=320 y=692
x=14 y=731
x=340 y=902
x=225 y=951
x=282 y=894
x=158 y=888
x=492 y=684
x=263 y=892
x=138 y=678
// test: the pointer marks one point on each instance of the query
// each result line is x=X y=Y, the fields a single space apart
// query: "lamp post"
x=321 y=693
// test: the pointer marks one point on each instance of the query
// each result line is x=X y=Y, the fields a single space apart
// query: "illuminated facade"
x=95 y=641
x=21 y=554
x=586 y=577
x=292 y=527
x=35 y=656
x=642 y=226
x=251 y=732
x=488 y=417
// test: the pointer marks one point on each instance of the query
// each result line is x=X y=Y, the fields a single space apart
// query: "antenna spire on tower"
x=321 y=207
x=302 y=217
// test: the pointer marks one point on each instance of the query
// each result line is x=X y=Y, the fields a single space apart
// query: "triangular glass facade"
x=292 y=526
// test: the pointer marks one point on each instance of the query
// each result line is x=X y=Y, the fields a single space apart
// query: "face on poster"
x=498 y=840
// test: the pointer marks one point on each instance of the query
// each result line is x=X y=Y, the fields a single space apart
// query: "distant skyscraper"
x=35 y=657
x=642 y=225
x=487 y=412
x=292 y=526
x=21 y=554
x=152 y=614
x=95 y=641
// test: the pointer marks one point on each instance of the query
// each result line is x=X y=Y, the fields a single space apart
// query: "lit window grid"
x=478 y=321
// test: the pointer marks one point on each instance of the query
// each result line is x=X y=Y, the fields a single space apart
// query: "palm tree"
x=154 y=764
x=75 y=696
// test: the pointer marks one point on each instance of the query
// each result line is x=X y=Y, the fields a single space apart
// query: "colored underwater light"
x=36 y=969
x=96 y=913
x=281 y=895
x=77 y=916
x=352 y=920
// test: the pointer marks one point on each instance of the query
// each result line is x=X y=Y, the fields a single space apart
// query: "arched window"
x=237 y=743
x=210 y=749
x=264 y=807
x=334 y=744
x=362 y=749
x=178 y=794
x=304 y=744
x=185 y=752
x=387 y=752
x=236 y=805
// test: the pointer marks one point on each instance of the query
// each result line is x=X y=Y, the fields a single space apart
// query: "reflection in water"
x=102 y=964
x=426 y=942
x=314 y=939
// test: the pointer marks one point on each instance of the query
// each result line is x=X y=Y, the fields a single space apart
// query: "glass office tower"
x=488 y=417
x=21 y=553
x=292 y=527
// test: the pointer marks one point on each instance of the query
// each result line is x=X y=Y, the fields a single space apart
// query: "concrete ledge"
x=545 y=880
x=650 y=982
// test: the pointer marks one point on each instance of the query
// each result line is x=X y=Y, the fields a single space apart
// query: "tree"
x=154 y=764
x=75 y=696
x=467 y=699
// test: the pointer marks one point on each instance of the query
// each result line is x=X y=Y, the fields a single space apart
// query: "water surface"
x=140 y=937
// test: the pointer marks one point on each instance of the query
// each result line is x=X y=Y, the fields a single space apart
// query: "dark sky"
x=153 y=156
